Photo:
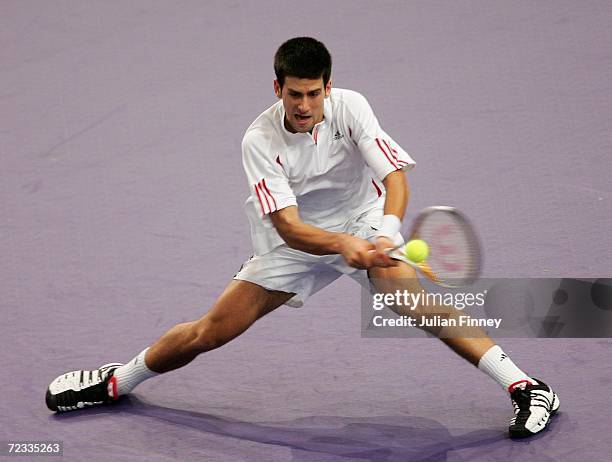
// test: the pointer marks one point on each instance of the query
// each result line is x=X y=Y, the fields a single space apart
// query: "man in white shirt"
x=328 y=191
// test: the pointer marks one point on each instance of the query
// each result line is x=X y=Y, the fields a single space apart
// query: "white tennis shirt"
x=333 y=174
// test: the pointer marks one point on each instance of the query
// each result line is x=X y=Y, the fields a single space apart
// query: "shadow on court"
x=379 y=438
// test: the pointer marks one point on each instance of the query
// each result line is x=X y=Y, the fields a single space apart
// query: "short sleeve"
x=268 y=183
x=379 y=150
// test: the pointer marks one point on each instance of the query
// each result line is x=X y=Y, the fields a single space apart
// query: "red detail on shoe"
x=520 y=384
x=112 y=389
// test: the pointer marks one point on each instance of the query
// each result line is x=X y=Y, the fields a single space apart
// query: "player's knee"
x=210 y=333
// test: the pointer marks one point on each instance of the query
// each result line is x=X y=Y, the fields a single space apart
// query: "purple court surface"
x=121 y=214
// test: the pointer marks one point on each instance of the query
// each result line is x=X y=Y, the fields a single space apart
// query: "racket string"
x=454 y=255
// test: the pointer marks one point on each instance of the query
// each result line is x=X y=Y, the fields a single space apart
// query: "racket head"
x=455 y=258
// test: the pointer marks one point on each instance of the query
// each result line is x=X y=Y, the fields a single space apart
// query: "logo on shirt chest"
x=337 y=136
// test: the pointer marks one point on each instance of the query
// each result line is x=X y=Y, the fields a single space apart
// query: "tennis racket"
x=454 y=251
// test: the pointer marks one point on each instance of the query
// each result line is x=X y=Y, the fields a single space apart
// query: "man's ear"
x=277 y=89
x=328 y=88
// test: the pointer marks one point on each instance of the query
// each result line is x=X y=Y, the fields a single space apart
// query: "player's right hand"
x=358 y=252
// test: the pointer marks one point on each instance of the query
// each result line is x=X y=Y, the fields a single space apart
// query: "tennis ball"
x=416 y=250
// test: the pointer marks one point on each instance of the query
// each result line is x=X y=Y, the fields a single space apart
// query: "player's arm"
x=396 y=201
x=388 y=161
x=307 y=238
x=398 y=194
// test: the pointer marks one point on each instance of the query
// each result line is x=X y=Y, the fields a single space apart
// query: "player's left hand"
x=381 y=258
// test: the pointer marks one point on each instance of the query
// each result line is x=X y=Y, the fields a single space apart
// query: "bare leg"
x=239 y=306
x=534 y=401
x=471 y=343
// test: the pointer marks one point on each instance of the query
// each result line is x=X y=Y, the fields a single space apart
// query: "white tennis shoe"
x=534 y=405
x=80 y=389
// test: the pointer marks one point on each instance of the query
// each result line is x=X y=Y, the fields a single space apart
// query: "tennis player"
x=328 y=191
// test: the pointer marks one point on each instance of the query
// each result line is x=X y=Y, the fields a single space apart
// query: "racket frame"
x=423 y=267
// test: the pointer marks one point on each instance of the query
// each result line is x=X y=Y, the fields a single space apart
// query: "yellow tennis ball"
x=416 y=250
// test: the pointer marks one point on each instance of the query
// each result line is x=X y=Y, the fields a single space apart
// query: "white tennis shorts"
x=293 y=271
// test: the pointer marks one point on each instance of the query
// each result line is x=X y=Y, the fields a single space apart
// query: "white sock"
x=500 y=368
x=131 y=374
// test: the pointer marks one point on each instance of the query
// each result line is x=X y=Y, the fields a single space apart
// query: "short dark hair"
x=304 y=58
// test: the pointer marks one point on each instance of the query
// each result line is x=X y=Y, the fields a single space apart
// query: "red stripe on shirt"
x=270 y=194
x=263 y=193
x=391 y=151
x=378 y=191
x=386 y=155
x=400 y=162
x=263 y=209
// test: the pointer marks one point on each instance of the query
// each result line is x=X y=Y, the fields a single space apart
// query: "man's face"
x=303 y=102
